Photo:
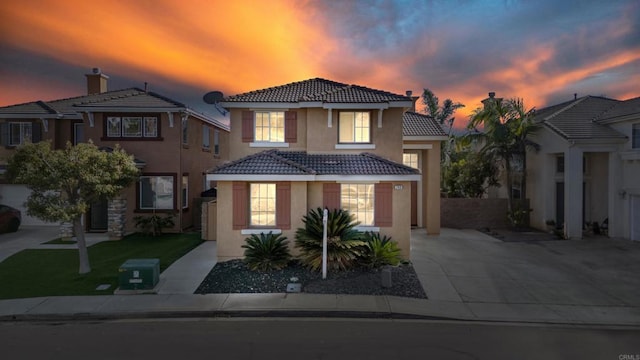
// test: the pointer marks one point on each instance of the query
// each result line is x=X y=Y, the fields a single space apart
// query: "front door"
x=98 y=216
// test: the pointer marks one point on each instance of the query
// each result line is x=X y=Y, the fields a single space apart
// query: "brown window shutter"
x=383 y=211
x=331 y=196
x=247 y=126
x=283 y=205
x=240 y=205
x=291 y=126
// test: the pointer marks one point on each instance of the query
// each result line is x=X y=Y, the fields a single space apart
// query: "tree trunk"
x=82 y=246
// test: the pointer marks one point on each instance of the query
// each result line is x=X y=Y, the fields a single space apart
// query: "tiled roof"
x=317 y=90
x=35 y=108
x=274 y=162
x=576 y=119
x=621 y=110
x=415 y=124
x=133 y=97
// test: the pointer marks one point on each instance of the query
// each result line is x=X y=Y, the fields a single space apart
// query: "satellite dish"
x=213 y=97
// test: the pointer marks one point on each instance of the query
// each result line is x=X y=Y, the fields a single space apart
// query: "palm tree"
x=508 y=127
x=443 y=115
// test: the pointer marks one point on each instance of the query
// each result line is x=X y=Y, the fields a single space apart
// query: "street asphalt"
x=466 y=274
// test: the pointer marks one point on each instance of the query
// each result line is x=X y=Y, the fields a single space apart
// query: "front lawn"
x=51 y=272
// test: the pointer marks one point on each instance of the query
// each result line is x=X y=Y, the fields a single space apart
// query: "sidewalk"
x=466 y=274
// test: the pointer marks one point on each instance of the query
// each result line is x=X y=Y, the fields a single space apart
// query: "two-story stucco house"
x=320 y=143
x=171 y=143
x=588 y=167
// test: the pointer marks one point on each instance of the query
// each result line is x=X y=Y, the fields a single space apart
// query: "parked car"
x=10 y=219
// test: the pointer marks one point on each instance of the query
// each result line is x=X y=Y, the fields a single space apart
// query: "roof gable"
x=576 y=119
x=316 y=90
x=415 y=124
x=622 y=111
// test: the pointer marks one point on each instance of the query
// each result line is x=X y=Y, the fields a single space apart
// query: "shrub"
x=380 y=251
x=266 y=252
x=344 y=243
x=153 y=225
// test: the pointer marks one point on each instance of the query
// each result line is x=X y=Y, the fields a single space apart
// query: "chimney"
x=96 y=82
x=414 y=99
x=492 y=95
x=492 y=98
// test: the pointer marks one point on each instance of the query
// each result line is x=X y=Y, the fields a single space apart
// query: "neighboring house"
x=588 y=168
x=320 y=143
x=171 y=143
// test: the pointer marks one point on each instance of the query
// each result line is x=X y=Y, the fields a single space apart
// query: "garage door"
x=15 y=196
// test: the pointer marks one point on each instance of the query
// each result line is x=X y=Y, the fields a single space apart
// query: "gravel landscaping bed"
x=233 y=276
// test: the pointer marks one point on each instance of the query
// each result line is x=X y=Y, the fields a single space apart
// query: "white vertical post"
x=325 y=215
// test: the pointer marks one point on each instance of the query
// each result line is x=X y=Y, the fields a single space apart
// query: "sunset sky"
x=543 y=51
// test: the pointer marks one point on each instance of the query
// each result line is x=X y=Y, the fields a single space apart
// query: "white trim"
x=260 y=231
x=365 y=228
x=266 y=144
x=45 y=124
x=263 y=109
x=380 y=118
x=92 y=122
x=355 y=146
x=417 y=146
x=170 y=117
x=357 y=182
x=330 y=118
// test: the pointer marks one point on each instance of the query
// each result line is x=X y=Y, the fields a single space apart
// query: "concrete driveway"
x=26 y=237
x=541 y=279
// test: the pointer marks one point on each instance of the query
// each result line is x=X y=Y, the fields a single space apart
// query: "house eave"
x=259 y=105
x=311 y=178
x=425 y=138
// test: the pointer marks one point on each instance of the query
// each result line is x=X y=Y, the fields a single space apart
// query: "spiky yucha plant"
x=266 y=252
x=379 y=251
x=344 y=242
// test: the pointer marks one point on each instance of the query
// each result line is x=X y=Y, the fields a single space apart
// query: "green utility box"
x=139 y=274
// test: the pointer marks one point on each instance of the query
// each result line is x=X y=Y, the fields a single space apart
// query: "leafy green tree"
x=67 y=181
x=469 y=175
x=506 y=137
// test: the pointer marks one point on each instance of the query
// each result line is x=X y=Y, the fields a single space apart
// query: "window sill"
x=260 y=231
x=355 y=146
x=263 y=144
x=367 y=228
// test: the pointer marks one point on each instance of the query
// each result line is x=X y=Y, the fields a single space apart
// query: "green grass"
x=52 y=272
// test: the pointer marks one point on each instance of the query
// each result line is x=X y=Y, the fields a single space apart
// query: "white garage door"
x=15 y=196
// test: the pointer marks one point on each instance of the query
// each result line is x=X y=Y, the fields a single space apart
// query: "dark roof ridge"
x=286 y=85
x=162 y=97
x=46 y=106
x=82 y=96
x=378 y=157
x=571 y=105
x=276 y=155
x=603 y=116
x=378 y=91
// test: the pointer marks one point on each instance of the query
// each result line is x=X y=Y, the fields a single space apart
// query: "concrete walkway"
x=467 y=275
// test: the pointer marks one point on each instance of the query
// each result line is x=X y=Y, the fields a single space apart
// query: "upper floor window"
x=262 y=204
x=410 y=159
x=205 y=137
x=269 y=126
x=216 y=142
x=19 y=133
x=358 y=199
x=354 y=127
x=635 y=136
x=132 y=127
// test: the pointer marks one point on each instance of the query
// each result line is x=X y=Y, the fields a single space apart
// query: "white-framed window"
x=635 y=136
x=269 y=126
x=354 y=127
x=216 y=142
x=358 y=199
x=132 y=126
x=205 y=137
x=185 y=191
x=410 y=159
x=156 y=192
x=262 y=204
x=19 y=133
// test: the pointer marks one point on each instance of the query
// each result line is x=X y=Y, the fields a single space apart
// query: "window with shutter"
x=283 y=205
x=384 y=205
x=291 y=126
x=240 y=202
x=247 y=126
x=331 y=196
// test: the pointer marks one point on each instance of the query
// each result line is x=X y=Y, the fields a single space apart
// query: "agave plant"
x=344 y=242
x=379 y=251
x=266 y=252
